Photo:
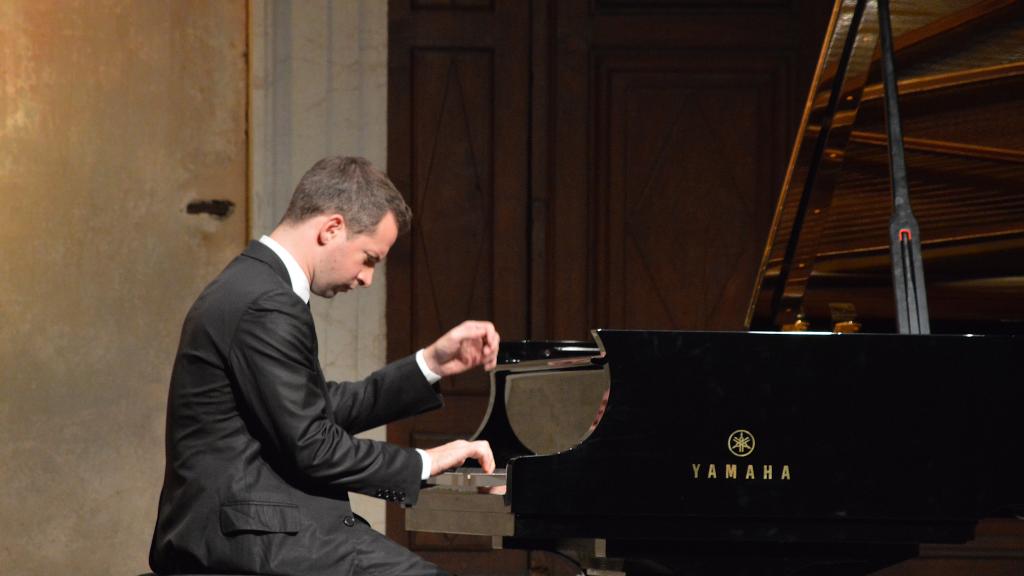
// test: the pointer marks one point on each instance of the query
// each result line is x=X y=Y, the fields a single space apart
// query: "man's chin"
x=331 y=292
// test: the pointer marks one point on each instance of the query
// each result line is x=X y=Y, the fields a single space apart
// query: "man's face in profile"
x=348 y=260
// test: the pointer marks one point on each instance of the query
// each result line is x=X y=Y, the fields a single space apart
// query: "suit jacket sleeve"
x=281 y=389
x=398 y=390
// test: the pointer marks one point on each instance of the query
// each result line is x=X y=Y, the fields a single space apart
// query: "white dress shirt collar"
x=300 y=284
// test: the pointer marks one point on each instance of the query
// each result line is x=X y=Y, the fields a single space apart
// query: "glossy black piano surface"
x=841 y=429
x=855 y=439
x=855 y=449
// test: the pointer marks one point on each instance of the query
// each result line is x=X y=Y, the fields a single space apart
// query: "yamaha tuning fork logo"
x=741 y=444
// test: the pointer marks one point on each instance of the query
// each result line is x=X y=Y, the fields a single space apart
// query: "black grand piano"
x=844 y=431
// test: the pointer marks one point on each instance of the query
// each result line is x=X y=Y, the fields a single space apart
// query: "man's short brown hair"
x=352 y=187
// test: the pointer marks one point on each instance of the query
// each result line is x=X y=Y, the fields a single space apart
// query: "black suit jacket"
x=260 y=452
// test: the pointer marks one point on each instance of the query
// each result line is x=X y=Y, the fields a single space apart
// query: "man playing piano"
x=260 y=447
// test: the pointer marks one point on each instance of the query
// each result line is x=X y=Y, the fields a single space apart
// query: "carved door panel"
x=670 y=128
x=457 y=147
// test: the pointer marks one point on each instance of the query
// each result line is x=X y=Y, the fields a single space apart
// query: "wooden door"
x=669 y=127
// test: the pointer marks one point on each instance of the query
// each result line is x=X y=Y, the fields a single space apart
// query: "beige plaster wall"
x=319 y=87
x=113 y=114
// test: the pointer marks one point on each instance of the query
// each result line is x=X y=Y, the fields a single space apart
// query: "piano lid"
x=961 y=69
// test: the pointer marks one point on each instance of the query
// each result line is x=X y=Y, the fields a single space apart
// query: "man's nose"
x=365 y=277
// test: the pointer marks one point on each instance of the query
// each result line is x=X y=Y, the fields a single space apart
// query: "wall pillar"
x=318 y=87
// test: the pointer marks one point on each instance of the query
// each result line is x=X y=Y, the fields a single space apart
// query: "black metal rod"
x=904 y=237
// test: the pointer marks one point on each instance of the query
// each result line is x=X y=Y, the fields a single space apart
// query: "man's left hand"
x=470 y=344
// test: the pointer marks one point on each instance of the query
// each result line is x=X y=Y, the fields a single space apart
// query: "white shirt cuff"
x=427 y=372
x=427 y=463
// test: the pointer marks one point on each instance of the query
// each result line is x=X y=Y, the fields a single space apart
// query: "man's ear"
x=331 y=228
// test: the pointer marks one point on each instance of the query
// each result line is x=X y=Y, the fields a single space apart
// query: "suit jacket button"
x=349 y=521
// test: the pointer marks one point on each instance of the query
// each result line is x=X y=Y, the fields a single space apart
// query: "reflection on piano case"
x=797 y=452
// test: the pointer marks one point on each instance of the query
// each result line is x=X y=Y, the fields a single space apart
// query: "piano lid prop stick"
x=904 y=238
